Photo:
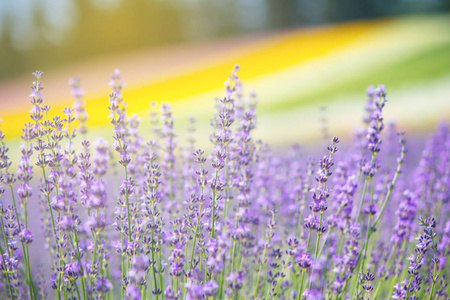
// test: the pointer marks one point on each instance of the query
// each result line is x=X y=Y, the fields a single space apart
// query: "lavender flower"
x=226 y=224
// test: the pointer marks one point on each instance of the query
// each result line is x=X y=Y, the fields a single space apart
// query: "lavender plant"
x=151 y=216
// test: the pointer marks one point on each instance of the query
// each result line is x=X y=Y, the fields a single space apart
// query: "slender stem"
x=153 y=263
x=4 y=236
x=122 y=260
x=316 y=251
x=259 y=272
x=317 y=244
x=48 y=200
x=63 y=285
x=263 y=257
x=153 y=240
x=24 y=246
x=434 y=271
x=362 y=199
x=78 y=291
x=161 y=279
x=83 y=276
x=206 y=265
x=304 y=271
x=308 y=241
x=366 y=243
x=366 y=181
x=199 y=213
x=391 y=187
x=300 y=212
x=11 y=294
x=302 y=201
x=222 y=275
x=393 y=278
x=213 y=216
x=15 y=208
x=30 y=278
x=233 y=255
x=368 y=234
x=128 y=208
x=225 y=209
x=366 y=246
x=9 y=255
x=27 y=257
x=377 y=289
x=328 y=234
x=299 y=295
x=318 y=239
x=388 y=194
x=95 y=249
x=278 y=281
x=195 y=235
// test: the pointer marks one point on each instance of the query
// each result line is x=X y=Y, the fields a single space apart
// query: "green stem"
x=9 y=255
x=388 y=194
x=206 y=266
x=128 y=209
x=233 y=256
x=303 y=272
x=63 y=286
x=198 y=221
x=48 y=200
x=152 y=240
x=225 y=209
x=15 y=208
x=4 y=237
x=161 y=279
x=316 y=251
x=213 y=217
x=24 y=246
x=122 y=260
x=375 y=294
x=259 y=272
x=434 y=272
x=366 y=246
x=27 y=257
x=299 y=295
x=222 y=275
x=83 y=276
x=391 y=187
x=328 y=233
x=362 y=199
x=262 y=258
x=11 y=295
x=78 y=290
x=278 y=282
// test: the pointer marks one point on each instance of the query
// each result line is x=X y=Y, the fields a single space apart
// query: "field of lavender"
x=153 y=217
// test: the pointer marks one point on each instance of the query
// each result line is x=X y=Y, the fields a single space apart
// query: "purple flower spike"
x=26 y=236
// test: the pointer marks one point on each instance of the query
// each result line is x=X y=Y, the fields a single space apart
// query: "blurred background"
x=298 y=55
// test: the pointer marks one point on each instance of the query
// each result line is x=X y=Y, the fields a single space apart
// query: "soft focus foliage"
x=151 y=216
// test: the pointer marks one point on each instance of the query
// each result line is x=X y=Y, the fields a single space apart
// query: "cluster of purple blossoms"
x=151 y=216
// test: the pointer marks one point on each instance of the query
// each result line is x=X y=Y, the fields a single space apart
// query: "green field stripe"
x=421 y=67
